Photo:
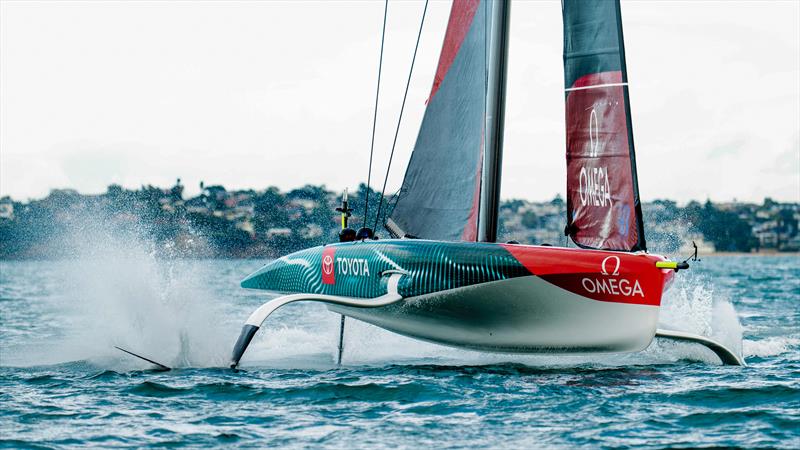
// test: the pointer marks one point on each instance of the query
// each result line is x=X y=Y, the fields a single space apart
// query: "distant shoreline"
x=270 y=223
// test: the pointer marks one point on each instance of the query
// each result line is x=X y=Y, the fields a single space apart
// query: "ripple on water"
x=738 y=397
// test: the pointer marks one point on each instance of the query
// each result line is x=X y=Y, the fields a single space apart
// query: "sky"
x=258 y=94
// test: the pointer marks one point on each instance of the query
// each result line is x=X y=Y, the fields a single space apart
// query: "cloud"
x=729 y=149
x=788 y=163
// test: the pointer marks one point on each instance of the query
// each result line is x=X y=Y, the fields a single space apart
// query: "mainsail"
x=603 y=208
x=440 y=195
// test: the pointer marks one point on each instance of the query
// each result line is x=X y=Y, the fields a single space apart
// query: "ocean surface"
x=62 y=383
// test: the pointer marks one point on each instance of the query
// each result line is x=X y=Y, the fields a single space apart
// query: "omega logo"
x=614 y=286
x=594 y=134
x=604 y=266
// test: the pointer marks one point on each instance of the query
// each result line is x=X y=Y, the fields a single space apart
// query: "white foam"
x=770 y=346
x=117 y=291
x=692 y=305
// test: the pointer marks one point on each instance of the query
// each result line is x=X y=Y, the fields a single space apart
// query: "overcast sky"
x=253 y=94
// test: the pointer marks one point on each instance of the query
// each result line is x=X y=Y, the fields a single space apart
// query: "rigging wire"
x=375 y=114
x=400 y=117
x=371 y=152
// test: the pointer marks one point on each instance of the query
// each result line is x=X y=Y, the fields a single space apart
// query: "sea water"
x=63 y=384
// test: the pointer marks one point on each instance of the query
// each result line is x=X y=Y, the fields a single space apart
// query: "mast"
x=495 y=116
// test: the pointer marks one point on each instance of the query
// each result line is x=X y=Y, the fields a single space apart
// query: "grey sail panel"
x=441 y=190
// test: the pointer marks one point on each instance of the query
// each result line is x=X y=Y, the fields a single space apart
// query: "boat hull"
x=485 y=296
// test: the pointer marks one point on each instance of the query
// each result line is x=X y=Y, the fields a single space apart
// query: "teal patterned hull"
x=359 y=268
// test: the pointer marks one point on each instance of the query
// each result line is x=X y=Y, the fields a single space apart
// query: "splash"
x=692 y=305
x=120 y=288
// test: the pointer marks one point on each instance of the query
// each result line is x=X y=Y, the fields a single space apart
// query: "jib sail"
x=603 y=208
x=440 y=195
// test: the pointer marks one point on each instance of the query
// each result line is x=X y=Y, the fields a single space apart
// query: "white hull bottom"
x=518 y=315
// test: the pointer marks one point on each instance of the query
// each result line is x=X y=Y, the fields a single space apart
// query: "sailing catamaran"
x=443 y=277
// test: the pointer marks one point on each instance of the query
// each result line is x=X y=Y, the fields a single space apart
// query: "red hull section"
x=604 y=276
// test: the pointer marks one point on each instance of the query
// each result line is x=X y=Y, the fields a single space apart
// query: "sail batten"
x=582 y=88
x=603 y=207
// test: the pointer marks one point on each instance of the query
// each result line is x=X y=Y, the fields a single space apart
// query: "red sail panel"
x=461 y=14
x=603 y=208
x=600 y=192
